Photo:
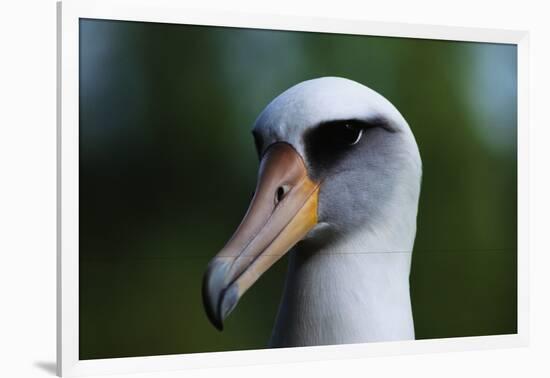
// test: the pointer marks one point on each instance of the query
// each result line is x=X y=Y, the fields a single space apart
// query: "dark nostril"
x=279 y=194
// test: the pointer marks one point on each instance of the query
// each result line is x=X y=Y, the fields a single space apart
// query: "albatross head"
x=337 y=160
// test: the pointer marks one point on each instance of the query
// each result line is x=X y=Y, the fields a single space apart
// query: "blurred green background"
x=167 y=167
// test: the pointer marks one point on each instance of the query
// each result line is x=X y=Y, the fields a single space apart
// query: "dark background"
x=167 y=167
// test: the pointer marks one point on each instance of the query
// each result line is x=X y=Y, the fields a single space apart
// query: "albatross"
x=338 y=188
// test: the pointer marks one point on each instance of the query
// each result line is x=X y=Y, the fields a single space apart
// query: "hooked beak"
x=282 y=211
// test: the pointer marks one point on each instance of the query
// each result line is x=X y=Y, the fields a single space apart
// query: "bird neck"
x=354 y=291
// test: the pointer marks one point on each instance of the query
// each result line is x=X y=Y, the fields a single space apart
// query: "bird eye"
x=354 y=134
x=330 y=141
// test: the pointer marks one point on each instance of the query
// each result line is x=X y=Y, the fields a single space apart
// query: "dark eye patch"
x=330 y=141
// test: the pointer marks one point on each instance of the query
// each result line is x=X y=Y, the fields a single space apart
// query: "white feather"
x=356 y=289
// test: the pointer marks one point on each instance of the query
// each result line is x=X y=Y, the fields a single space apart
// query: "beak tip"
x=218 y=302
x=214 y=317
x=217 y=323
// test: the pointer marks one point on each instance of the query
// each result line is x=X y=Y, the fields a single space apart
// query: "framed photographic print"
x=250 y=188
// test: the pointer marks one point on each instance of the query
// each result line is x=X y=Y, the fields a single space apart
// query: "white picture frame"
x=69 y=13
